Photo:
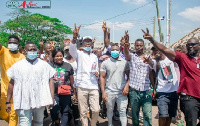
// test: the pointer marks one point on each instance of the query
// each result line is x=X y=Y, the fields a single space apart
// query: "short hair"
x=13 y=36
x=56 y=50
x=114 y=44
x=27 y=43
x=141 y=40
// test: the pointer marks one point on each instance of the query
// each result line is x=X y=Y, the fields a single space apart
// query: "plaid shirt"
x=139 y=74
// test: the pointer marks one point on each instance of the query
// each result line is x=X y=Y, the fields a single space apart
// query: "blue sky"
x=185 y=16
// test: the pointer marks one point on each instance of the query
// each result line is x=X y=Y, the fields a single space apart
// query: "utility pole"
x=169 y=30
x=168 y=23
x=154 y=27
x=159 y=26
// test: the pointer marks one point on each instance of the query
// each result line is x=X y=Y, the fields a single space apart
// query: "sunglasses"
x=191 y=44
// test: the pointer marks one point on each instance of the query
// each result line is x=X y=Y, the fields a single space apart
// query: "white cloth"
x=84 y=77
x=42 y=56
x=167 y=77
x=31 y=84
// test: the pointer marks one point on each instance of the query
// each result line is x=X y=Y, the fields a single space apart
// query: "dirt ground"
x=104 y=122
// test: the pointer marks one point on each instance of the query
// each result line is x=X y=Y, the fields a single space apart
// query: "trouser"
x=25 y=116
x=144 y=99
x=122 y=102
x=62 y=106
x=11 y=118
x=85 y=96
x=190 y=106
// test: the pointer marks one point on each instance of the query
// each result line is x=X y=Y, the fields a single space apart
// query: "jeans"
x=62 y=106
x=167 y=103
x=122 y=102
x=25 y=116
x=144 y=99
x=190 y=106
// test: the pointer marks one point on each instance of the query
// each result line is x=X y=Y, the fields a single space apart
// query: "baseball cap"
x=87 y=37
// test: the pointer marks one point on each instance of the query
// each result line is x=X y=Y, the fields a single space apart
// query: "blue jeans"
x=138 y=99
x=25 y=116
x=62 y=106
x=122 y=102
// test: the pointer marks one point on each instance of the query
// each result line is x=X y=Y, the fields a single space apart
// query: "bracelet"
x=7 y=103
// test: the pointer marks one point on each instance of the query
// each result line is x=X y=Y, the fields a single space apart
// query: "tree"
x=35 y=27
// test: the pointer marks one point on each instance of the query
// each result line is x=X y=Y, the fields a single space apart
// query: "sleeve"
x=127 y=66
x=73 y=50
x=52 y=71
x=178 y=57
x=103 y=67
x=2 y=50
x=71 y=70
x=11 y=72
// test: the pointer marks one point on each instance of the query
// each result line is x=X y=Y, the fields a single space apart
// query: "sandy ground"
x=104 y=122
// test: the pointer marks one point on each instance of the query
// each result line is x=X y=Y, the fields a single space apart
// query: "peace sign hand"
x=147 y=35
x=104 y=27
x=126 y=39
x=76 y=31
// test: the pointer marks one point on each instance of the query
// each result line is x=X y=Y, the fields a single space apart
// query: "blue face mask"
x=114 y=54
x=87 y=48
x=31 y=55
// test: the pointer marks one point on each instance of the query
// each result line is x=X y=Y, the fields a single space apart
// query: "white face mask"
x=12 y=47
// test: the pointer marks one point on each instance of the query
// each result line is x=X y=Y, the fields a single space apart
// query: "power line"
x=83 y=25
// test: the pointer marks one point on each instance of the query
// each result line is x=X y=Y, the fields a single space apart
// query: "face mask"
x=12 y=47
x=115 y=54
x=87 y=48
x=31 y=55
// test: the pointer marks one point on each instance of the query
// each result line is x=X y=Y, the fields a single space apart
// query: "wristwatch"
x=7 y=103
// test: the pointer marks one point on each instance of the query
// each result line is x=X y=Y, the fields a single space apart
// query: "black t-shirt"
x=62 y=75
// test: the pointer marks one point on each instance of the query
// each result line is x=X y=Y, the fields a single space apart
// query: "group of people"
x=54 y=78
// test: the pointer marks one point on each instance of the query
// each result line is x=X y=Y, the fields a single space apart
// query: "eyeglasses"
x=191 y=44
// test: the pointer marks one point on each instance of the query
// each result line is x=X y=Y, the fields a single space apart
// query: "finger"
x=79 y=27
x=74 y=25
x=143 y=31
x=147 y=30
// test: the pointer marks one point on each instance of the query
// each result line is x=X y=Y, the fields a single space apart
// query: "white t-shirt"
x=84 y=77
x=31 y=84
x=167 y=78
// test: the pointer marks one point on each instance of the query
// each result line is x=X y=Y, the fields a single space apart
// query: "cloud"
x=117 y=25
x=136 y=2
x=191 y=13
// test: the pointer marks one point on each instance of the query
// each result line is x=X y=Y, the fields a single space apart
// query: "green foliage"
x=35 y=27
x=4 y=38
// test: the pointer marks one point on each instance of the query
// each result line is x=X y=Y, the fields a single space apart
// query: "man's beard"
x=193 y=53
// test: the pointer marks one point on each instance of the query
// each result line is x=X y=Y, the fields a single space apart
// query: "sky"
x=120 y=15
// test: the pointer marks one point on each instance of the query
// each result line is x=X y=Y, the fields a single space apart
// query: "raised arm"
x=126 y=44
x=73 y=49
x=166 y=51
x=106 y=32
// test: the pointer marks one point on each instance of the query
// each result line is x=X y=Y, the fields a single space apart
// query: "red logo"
x=30 y=4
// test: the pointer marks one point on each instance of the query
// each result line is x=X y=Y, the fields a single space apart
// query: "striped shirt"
x=139 y=73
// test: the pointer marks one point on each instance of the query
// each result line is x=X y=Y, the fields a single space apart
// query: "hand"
x=75 y=98
x=52 y=43
x=147 y=35
x=104 y=27
x=154 y=95
x=126 y=39
x=8 y=108
x=96 y=74
x=94 y=40
x=41 y=43
x=104 y=97
x=146 y=59
x=125 y=90
x=76 y=31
